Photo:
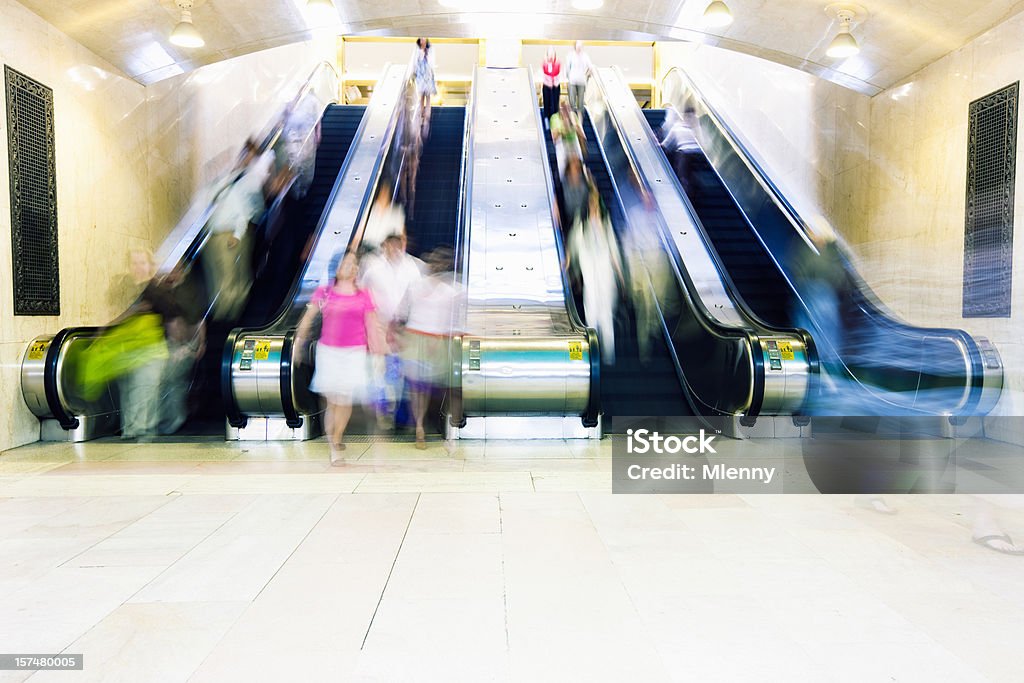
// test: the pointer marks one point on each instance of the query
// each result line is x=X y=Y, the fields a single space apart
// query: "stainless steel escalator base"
x=534 y=427
x=89 y=427
x=275 y=429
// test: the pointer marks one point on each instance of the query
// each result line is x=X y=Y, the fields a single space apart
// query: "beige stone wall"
x=905 y=202
x=103 y=192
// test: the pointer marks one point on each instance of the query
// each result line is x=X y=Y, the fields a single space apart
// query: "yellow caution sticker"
x=37 y=350
x=576 y=350
x=262 y=351
x=786 y=350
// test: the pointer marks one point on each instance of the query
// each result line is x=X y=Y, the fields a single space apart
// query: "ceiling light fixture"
x=717 y=14
x=844 y=44
x=185 y=34
x=321 y=11
x=587 y=4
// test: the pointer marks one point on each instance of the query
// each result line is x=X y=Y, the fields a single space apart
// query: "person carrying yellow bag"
x=132 y=351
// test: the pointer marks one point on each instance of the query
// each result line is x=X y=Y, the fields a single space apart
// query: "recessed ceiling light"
x=185 y=34
x=321 y=11
x=587 y=4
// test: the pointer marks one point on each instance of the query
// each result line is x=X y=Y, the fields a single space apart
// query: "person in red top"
x=349 y=332
x=552 y=69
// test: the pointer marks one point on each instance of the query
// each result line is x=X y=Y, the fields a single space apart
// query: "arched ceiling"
x=898 y=37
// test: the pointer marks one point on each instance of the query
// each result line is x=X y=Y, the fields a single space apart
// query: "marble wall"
x=129 y=161
x=103 y=192
x=905 y=201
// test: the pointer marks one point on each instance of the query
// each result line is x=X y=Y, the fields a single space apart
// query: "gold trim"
x=409 y=39
x=599 y=43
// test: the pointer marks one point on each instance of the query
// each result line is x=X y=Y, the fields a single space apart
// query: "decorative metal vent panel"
x=33 y=174
x=988 y=231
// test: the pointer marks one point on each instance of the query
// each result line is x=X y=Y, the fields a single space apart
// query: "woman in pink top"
x=552 y=69
x=349 y=333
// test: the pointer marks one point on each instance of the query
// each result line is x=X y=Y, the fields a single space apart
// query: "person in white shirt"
x=431 y=312
x=386 y=218
x=238 y=203
x=578 y=68
x=389 y=275
x=679 y=140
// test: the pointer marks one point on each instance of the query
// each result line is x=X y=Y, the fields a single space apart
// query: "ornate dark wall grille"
x=33 y=195
x=988 y=232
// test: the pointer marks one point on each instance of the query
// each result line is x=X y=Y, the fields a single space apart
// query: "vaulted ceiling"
x=898 y=37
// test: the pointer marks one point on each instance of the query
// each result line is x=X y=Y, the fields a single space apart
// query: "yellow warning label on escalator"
x=786 y=350
x=575 y=350
x=37 y=350
x=262 y=351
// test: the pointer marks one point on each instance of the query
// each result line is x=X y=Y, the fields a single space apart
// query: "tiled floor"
x=207 y=561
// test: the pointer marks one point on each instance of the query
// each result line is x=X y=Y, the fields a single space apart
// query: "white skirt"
x=342 y=374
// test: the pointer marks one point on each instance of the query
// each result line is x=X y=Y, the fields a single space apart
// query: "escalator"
x=880 y=363
x=630 y=386
x=750 y=266
x=727 y=362
x=264 y=379
x=278 y=261
x=436 y=210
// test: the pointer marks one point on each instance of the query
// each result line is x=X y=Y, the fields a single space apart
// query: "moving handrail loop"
x=456 y=414
x=773 y=389
x=982 y=365
x=43 y=363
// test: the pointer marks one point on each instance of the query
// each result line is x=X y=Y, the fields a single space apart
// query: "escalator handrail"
x=865 y=296
x=466 y=183
x=461 y=252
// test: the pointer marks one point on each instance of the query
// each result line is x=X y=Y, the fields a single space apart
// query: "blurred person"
x=679 y=140
x=127 y=287
x=186 y=343
x=349 y=334
x=297 y=145
x=386 y=218
x=592 y=249
x=412 y=149
x=423 y=68
x=551 y=69
x=650 y=274
x=144 y=340
x=389 y=275
x=238 y=204
x=578 y=68
x=575 y=192
x=428 y=313
x=823 y=284
x=567 y=135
